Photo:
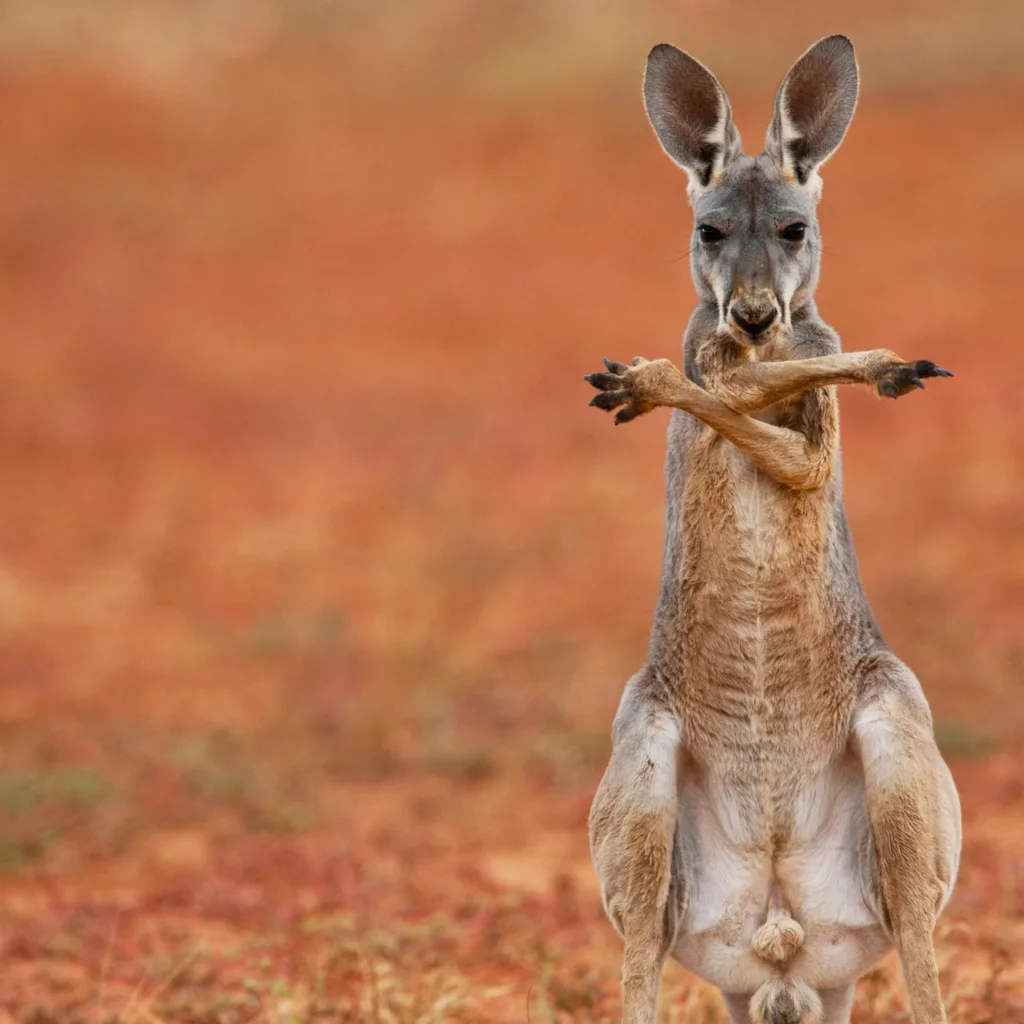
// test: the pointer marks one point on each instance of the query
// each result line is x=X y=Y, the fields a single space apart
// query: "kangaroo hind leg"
x=632 y=833
x=912 y=851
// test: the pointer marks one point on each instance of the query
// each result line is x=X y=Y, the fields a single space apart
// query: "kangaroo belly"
x=738 y=875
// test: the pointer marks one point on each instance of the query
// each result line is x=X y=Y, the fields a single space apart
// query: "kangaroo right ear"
x=690 y=114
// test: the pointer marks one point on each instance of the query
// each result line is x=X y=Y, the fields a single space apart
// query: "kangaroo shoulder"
x=813 y=337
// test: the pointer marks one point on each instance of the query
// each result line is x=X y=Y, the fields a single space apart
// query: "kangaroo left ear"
x=813 y=108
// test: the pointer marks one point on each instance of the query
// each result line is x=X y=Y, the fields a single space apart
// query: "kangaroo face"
x=755 y=248
x=756 y=244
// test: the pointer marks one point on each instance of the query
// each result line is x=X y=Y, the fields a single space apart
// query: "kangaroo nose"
x=754 y=329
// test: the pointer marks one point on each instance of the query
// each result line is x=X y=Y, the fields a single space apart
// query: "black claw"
x=618 y=368
x=888 y=389
x=917 y=382
x=604 y=381
x=926 y=368
x=608 y=400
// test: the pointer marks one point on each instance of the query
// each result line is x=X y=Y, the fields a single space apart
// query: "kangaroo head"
x=756 y=245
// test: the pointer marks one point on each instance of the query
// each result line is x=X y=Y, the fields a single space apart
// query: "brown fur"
x=767 y=682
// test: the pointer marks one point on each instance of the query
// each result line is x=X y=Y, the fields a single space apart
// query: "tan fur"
x=776 y=812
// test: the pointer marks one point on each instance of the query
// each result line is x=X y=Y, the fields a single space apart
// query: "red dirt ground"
x=311 y=633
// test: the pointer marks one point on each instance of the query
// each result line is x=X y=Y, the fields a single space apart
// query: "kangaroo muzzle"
x=754 y=317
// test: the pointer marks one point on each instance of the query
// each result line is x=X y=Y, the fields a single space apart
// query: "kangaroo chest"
x=757 y=643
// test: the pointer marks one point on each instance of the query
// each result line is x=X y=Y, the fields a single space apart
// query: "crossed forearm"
x=745 y=387
x=750 y=387
x=785 y=455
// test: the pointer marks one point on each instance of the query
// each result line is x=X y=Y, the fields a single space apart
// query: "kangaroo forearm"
x=785 y=455
x=750 y=387
x=788 y=456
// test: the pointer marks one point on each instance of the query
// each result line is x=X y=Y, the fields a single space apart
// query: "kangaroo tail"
x=786 y=1001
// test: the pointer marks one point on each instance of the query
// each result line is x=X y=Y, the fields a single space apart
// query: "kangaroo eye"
x=709 y=233
x=793 y=232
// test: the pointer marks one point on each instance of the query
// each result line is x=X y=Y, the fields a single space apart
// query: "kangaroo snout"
x=753 y=320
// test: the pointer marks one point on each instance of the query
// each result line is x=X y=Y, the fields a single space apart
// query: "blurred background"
x=311 y=637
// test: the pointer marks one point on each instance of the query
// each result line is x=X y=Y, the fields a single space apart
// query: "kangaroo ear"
x=690 y=114
x=813 y=108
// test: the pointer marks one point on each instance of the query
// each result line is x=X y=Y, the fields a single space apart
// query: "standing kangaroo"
x=776 y=813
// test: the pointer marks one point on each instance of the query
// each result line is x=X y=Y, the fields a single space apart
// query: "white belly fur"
x=729 y=876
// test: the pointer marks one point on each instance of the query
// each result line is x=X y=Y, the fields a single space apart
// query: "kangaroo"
x=775 y=814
